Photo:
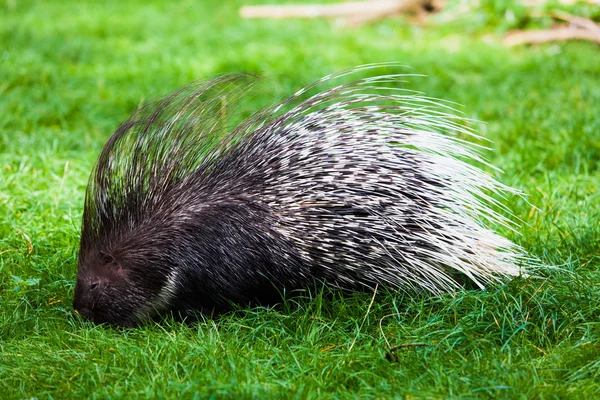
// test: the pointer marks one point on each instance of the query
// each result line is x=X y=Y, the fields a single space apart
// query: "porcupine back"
x=359 y=185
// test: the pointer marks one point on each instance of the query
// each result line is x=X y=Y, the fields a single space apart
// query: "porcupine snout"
x=84 y=296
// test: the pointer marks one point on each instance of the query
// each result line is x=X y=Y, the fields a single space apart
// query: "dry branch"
x=579 y=28
x=551 y=35
x=534 y=3
x=355 y=9
x=578 y=22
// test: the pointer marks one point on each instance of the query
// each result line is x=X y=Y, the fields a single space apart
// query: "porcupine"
x=361 y=185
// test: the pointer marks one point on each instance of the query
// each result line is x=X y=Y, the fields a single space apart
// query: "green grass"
x=70 y=72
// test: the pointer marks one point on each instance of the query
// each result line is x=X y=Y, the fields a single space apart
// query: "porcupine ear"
x=159 y=145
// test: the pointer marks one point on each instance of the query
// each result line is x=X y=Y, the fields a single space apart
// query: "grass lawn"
x=70 y=72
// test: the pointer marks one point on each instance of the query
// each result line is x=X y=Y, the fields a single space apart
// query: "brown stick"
x=359 y=19
x=550 y=35
x=420 y=11
x=346 y=9
x=533 y=3
x=579 y=22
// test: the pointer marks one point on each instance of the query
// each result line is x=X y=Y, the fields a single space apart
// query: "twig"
x=392 y=356
x=353 y=9
x=533 y=3
x=551 y=35
x=405 y=345
x=576 y=21
x=359 y=19
x=318 y=10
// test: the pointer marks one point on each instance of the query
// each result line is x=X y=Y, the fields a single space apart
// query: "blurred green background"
x=71 y=71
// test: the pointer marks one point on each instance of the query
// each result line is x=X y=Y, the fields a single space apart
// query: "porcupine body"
x=360 y=185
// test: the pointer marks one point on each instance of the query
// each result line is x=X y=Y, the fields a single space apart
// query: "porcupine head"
x=355 y=186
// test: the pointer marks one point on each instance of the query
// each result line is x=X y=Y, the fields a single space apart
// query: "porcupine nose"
x=84 y=293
